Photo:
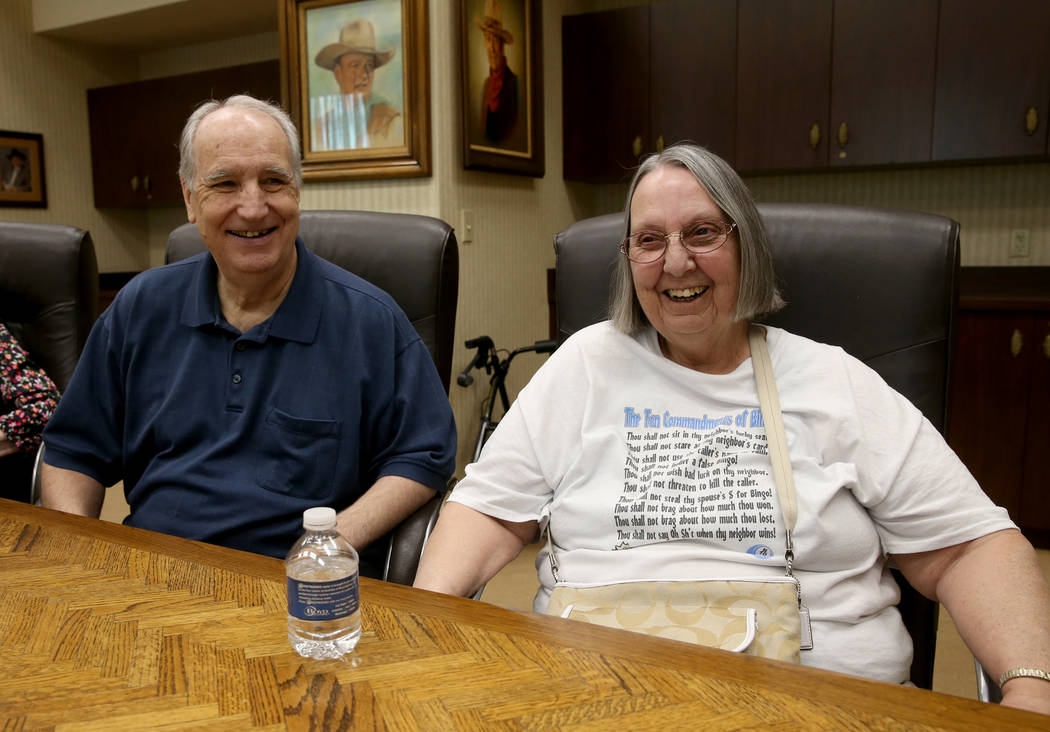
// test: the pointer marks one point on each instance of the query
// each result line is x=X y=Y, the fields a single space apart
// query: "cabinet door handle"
x=814 y=136
x=636 y=147
x=134 y=182
x=843 y=135
x=1046 y=346
x=660 y=144
x=1016 y=342
x=1031 y=121
x=145 y=183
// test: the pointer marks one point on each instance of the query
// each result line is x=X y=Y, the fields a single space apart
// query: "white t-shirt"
x=648 y=469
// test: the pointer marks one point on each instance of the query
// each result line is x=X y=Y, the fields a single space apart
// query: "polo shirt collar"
x=296 y=319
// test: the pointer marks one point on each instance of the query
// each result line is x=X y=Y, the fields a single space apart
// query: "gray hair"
x=187 y=162
x=758 y=294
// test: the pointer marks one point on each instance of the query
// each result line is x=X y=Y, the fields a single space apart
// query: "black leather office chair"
x=48 y=292
x=880 y=284
x=416 y=261
x=48 y=302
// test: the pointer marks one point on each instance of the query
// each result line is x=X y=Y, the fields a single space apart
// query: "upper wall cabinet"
x=135 y=129
x=882 y=81
x=782 y=89
x=605 y=92
x=880 y=106
x=780 y=85
x=689 y=40
x=993 y=79
x=637 y=79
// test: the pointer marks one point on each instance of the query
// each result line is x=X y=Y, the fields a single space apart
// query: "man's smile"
x=251 y=234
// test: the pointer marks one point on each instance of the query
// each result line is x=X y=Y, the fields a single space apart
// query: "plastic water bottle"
x=324 y=617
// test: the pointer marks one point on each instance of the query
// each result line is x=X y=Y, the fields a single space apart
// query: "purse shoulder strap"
x=769 y=402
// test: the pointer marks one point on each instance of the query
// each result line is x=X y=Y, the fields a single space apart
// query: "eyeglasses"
x=700 y=237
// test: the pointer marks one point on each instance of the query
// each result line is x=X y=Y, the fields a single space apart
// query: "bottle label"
x=323 y=600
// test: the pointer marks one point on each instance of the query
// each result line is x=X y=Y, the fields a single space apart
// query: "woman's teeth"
x=686 y=294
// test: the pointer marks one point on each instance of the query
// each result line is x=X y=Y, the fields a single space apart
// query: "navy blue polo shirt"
x=227 y=437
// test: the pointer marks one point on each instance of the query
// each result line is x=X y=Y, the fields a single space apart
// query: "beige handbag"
x=757 y=616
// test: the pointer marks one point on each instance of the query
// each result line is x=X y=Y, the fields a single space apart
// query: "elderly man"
x=232 y=390
x=357 y=117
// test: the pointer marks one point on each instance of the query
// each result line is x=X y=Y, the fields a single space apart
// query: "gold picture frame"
x=502 y=69
x=22 y=181
x=355 y=79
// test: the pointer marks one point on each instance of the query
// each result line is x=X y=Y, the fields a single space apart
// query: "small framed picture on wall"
x=502 y=68
x=22 y=169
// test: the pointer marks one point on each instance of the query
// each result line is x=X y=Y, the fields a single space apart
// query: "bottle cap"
x=319 y=519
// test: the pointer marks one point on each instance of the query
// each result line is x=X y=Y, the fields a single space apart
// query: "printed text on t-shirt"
x=697 y=478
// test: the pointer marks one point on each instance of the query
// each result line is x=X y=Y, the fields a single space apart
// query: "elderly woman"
x=652 y=419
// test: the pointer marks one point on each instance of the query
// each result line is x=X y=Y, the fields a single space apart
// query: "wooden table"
x=108 y=627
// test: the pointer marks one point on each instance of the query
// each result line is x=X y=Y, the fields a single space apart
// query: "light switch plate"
x=466 y=228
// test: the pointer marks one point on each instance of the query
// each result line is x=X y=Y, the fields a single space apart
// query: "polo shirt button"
x=236 y=378
x=240 y=346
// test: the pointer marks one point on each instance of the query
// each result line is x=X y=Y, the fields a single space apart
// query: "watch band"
x=1035 y=673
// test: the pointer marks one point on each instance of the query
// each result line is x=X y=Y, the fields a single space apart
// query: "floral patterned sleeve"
x=26 y=391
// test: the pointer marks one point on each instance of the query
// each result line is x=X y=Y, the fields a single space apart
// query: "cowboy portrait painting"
x=356 y=95
x=502 y=95
x=498 y=74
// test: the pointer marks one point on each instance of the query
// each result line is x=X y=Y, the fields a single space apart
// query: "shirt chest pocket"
x=298 y=456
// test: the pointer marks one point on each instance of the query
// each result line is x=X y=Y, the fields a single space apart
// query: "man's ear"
x=186 y=193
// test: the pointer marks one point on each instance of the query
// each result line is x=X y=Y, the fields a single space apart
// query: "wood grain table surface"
x=106 y=627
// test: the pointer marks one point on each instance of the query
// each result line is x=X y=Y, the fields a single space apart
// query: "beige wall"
x=503 y=272
x=42 y=90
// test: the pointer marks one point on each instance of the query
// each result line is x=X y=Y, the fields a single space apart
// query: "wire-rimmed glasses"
x=699 y=237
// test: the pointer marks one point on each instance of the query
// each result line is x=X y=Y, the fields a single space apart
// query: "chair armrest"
x=408 y=540
x=34 y=488
x=987 y=689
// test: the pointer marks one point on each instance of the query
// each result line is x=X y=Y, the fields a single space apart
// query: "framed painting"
x=354 y=77
x=22 y=169
x=502 y=85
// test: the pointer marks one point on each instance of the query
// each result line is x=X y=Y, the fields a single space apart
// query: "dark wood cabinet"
x=693 y=47
x=605 y=92
x=1000 y=421
x=783 y=85
x=993 y=79
x=1035 y=490
x=877 y=107
x=882 y=81
x=783 y=66
x=135 y=129
x=638 y=79
x=115 y=159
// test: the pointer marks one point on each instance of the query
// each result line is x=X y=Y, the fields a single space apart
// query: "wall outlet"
x=1019 y=243
x=466 y=229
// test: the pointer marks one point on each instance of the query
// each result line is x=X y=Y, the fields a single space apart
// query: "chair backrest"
x=413 y=258
x=416 y=261
x=48 y=293
x=880 y=284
